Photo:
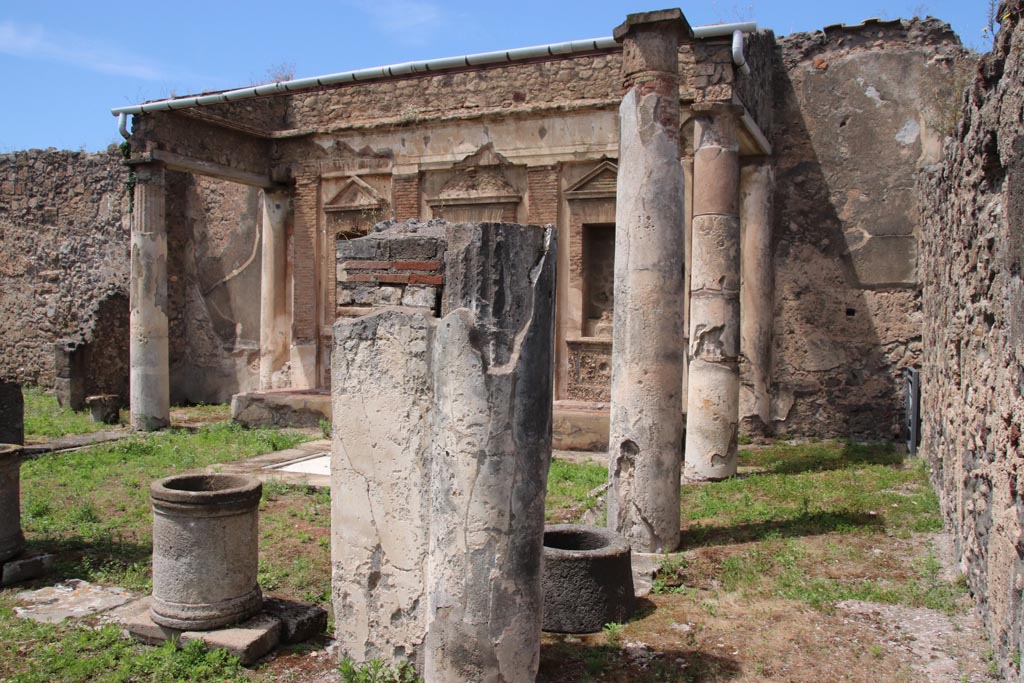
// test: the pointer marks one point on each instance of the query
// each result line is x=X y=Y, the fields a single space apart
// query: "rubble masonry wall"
x=972 y=252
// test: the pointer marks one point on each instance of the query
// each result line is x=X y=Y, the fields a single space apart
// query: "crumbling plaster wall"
x=858 y=111
x=972 y=253
x=64 y=226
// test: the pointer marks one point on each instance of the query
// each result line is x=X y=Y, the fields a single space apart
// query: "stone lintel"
x=662 y=19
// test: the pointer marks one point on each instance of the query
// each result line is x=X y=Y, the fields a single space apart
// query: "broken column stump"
x=104 y=408
x=441 y=450
x=12 y=541
x=12 y=413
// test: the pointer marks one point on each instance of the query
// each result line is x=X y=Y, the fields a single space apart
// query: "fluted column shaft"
x=149 y=388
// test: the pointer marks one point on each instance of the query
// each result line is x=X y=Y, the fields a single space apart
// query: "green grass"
x=813 y=489
x=569 y=485
x=46 y=653
x=44 y=419
x=91 y=507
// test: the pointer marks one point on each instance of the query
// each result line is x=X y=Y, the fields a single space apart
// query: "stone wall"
x=64 y=237
x=972 y=253
x=64 y=274
x=858 y=111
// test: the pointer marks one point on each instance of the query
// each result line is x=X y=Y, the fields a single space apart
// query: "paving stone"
x=25 y=568
x=71 y=599
x=248 y=641
x=299 y=621
x=141 y=627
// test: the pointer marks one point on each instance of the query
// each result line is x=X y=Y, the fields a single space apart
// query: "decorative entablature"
x=354 y=209
x=480 y=191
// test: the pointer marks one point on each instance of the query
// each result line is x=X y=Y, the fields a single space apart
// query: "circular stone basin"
x=587 y=578
x=12 y=541
x=205 y=550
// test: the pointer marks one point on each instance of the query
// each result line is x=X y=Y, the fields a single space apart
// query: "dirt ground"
x=709 y=636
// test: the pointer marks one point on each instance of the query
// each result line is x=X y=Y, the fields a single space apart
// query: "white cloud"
x=33 y=42
x=412 y=21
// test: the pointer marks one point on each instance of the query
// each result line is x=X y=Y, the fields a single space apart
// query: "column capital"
x=650 y=48
x=665 y=21
x=147 y=171
x=717 y=110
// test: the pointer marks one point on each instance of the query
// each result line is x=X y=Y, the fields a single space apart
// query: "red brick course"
x=416 y=265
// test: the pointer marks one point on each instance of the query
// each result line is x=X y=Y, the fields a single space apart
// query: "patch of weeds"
x=710 y=607
x=269 y=576
x=325 y=428
x=274 y=489
x=378 y=671
x=669 y=578
x=613 y=633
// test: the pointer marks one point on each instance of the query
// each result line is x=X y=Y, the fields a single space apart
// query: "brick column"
x=542 y=190
x=405 y=196
x=646 y=427
x=149 y=392
x=305 y=263
x=713 y=401
x=274 y=329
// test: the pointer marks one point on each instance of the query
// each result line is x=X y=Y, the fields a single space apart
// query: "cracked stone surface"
x=442 y=445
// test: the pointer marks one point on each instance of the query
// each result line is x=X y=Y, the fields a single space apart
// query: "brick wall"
x=542 y=192
x=394 y=267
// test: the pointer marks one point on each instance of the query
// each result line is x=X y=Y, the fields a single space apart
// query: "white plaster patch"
x=909 y=133
x=874 y=95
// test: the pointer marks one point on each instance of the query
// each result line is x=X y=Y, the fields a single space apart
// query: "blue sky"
x=63 y=65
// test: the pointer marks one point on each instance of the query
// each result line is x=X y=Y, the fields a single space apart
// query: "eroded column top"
x=651 y=41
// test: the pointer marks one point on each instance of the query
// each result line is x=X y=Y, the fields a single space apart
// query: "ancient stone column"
x=149 y=391
x=442 y=444
x=756 y=294
x=274 y=323
x=713 y=394
x=647 y=350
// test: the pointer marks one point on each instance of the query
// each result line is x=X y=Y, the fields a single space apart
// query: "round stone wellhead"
x=205 y=550
x=587 y=578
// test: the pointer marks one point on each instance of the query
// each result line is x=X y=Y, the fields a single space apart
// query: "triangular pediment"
x=598 y=184
x=477 y=186
x=355 y=195
x=485 y=156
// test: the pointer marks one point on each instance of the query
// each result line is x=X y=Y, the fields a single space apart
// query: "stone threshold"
x=266 y=467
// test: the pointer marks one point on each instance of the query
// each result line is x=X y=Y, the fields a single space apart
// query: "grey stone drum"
x=205 y=550
x=12 y=542
x=588 y=578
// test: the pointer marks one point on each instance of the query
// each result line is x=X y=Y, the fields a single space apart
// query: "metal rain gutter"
x=404 y=69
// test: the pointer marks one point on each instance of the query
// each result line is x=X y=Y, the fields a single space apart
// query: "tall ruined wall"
x=64 y=273
x=972 y=253
x=63 y=251
x=213 y=230
x=858 y=111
